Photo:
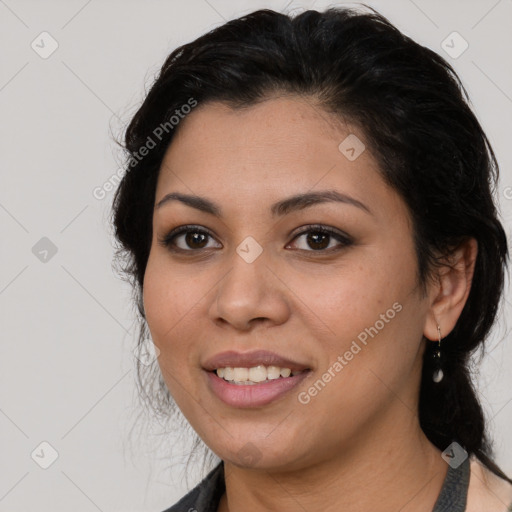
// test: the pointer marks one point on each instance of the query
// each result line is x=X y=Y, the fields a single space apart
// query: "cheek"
x=363 y=378
x=372 y=364
x=169 y=294
x=374 y=325
x=352 y=297
x=167 y=302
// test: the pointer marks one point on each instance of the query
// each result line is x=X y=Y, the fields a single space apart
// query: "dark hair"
x=415 y=117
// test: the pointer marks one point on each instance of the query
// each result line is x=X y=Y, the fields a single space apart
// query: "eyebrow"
x=281 y=208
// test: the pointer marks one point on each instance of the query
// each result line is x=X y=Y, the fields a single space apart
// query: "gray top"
x=205 y=497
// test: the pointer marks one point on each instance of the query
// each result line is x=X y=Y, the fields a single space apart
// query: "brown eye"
x=319 y=239
x=193 y=238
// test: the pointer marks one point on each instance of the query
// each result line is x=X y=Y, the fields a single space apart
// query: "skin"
x=357 y=443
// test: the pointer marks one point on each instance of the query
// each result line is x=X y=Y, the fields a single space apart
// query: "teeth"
x=257 y=374
x=273 y=372
x=285 y=372
x=240 y=374
x=254 y=375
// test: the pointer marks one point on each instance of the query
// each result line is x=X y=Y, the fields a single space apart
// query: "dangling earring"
x=438 y=372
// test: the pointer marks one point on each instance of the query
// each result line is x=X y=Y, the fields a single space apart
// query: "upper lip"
x=250 y=359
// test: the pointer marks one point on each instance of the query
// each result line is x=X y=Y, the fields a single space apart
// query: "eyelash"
x=167 y=240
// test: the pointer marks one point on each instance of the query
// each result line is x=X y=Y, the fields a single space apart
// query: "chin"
x=262 y=456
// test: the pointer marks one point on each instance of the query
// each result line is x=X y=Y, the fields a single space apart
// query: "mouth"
x=253 y=379
x=247 y=393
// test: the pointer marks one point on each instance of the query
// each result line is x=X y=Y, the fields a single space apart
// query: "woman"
x=312 y=238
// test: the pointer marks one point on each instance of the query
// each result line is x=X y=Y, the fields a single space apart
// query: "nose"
x=249 y=294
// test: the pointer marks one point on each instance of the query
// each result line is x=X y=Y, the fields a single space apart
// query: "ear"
x=449 y=293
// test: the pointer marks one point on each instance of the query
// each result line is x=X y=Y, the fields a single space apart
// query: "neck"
x=384 y=469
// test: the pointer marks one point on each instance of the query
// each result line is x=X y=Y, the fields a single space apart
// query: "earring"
x=438 y=372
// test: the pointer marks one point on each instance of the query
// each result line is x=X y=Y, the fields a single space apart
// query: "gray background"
x=67 y=366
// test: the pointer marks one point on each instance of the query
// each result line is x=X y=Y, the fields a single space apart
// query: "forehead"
x=282 y=146
x=277 y=123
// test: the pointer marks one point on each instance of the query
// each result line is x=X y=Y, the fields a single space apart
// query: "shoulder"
x=205 y=496
x=487 y=492
x=187 y=503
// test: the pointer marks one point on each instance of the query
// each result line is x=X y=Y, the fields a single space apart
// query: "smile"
x=247 y=393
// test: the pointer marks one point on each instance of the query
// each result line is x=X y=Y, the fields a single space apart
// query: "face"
x=340 y=307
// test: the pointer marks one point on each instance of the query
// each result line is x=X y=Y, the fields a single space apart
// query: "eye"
x=320 y=237
x=194 y=238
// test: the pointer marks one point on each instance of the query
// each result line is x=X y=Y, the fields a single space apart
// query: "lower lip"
x=253 y=395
